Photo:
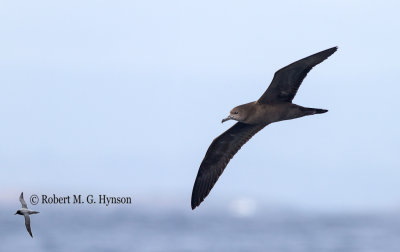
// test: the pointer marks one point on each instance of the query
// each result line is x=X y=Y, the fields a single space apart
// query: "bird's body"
x=273 y=106
x=259 y=113
x=26 y=212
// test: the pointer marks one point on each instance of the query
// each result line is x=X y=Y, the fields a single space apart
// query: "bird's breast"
x=268 y=113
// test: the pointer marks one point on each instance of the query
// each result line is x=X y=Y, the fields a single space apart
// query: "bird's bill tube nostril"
x=226 y=119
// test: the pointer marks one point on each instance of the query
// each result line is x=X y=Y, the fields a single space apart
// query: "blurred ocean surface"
x=66 y=229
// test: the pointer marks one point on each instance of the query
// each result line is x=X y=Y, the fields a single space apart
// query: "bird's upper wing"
x=21 y=199
x=287 y=80
x=221 y=150
x=28 y=224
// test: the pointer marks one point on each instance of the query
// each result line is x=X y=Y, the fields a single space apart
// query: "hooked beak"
x=226 y=119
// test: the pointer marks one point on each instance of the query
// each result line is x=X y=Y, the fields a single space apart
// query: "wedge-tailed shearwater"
x=26 y=212
x=273 y=106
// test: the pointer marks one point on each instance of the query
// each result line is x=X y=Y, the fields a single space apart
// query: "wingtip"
x=194 y=204
x=327 y=53
x=332 y=50
x=320 y=111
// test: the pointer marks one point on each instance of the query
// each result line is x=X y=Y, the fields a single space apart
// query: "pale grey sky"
x=126 y=96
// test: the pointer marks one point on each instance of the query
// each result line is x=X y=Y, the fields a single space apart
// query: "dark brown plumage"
x=273 y=106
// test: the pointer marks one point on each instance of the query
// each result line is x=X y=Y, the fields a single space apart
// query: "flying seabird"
x=25 y=212
x=273 y=106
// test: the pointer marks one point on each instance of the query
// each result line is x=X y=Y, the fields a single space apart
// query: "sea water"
x=156 y=229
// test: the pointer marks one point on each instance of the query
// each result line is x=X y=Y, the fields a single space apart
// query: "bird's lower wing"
x=28 y=224
x=218 y=155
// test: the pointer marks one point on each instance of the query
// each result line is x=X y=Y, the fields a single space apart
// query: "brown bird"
x=273 y=106
x=26 y=212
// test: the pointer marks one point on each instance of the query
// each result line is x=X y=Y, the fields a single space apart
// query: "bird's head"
x=18 y=212
x=238 y=113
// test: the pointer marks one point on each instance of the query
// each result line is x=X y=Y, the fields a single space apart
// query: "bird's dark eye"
x=236 y=112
